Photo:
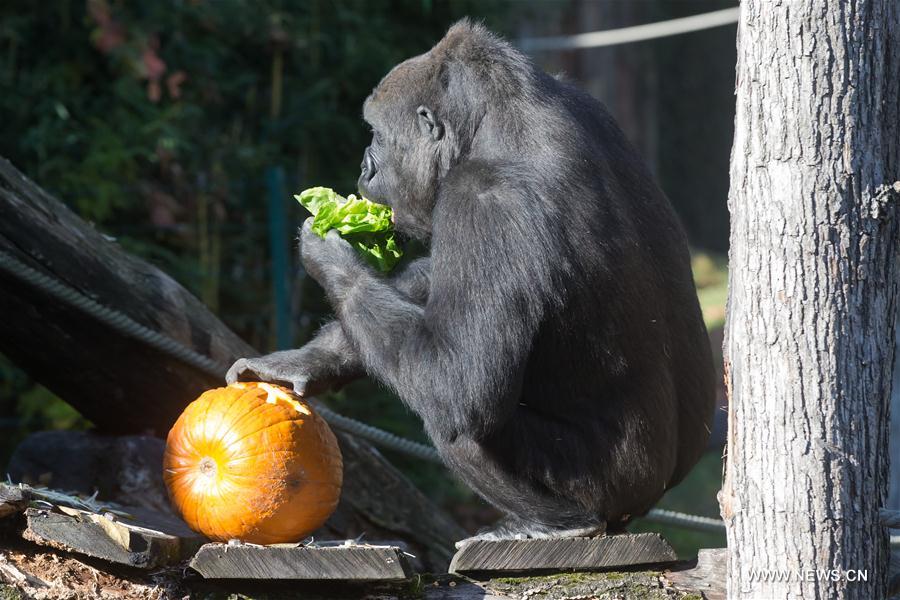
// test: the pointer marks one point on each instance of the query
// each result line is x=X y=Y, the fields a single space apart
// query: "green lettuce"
x=366 y=225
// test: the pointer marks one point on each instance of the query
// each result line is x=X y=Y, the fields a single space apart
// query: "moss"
x=637 y=585
x=8 y=592
x=567 y=578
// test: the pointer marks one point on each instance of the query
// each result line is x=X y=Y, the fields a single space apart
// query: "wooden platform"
x=568 y=554
x=148 y=540
x=323 y=561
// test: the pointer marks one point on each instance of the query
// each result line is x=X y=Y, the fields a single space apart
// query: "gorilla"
x=551 y=341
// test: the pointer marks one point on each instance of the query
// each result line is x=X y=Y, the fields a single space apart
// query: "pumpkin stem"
x=208 y=466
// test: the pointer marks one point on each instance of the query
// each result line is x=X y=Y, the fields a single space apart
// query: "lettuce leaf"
x=366 y=225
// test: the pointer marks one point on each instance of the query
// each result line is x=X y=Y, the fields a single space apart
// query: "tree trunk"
x=893 y=497
x=813 y=296
x=124 y=386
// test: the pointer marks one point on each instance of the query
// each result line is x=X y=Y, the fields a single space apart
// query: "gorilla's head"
x=426 y=115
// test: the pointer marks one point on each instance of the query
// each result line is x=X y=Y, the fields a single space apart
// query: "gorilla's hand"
x=331 y=261
x=307 y=370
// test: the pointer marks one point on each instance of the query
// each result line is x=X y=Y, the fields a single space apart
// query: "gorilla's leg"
x=531 y=511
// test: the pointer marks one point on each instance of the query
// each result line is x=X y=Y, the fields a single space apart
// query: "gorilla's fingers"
x=300 y=386
x=306 y=228
x=235 y=371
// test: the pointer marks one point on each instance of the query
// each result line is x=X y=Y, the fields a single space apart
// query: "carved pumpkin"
x=254 y=463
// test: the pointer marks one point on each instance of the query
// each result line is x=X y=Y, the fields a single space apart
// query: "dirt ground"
x=31 y=572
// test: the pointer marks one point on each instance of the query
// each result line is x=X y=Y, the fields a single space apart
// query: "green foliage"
x=158 y=120
x=26 y=406
x=711 y=279
x=8 y=592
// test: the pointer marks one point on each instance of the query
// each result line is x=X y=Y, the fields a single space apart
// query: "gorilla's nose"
x=367 y=166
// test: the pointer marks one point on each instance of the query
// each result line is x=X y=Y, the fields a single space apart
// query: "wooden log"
x=123 y=386
x=603 y=552
x=353 y=562
x=708 y=574
x=122 y=469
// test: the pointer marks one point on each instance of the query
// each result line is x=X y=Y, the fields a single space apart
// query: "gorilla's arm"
x=458 y=360
x=325 y=362
x=328 y=360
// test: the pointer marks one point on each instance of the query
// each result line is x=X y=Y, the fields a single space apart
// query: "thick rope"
x=670 y=517
x=131 y=328
x=625 y=35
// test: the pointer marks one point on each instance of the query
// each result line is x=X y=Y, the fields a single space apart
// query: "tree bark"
x=124 y=386
x=893 y=495
x=813 y=297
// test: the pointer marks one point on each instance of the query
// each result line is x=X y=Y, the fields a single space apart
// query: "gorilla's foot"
x=513 y=528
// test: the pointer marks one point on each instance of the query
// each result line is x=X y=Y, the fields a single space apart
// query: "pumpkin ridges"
x=305 y=481
x=199 y=448
x=227 y=531
x=258 y=454
x=226 y=415
x=225 y=493
x=187 y=436
x=263 y=437
x=258 y=431
x=204 y=483
x=323 y=469
x=320 y=509
x=205 y=420
x=275 y=495
x=268 y=414
x=238 y=423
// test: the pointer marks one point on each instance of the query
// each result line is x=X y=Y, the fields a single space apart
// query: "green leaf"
x=366 y=225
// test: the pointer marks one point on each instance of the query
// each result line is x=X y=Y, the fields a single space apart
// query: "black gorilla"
x=552 y=341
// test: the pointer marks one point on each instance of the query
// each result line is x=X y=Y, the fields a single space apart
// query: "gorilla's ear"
x=428 y=124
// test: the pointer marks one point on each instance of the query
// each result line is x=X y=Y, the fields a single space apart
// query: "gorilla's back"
x=629 y=340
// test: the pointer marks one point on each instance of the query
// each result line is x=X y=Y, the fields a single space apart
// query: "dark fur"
x=552 y=342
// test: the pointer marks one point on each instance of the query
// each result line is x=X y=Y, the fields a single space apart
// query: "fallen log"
x=121 y=385
x=125 y=387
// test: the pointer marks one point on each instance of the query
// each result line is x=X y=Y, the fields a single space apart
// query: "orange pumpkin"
x=254 y=463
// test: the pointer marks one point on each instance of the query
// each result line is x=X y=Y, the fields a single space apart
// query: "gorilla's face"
x=402 y=165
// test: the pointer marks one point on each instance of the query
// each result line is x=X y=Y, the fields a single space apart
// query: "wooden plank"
x=13 y=499
x=562 y=553
x=147 y=541
x=40 y=573
x=357 y=562
x=708 y=575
